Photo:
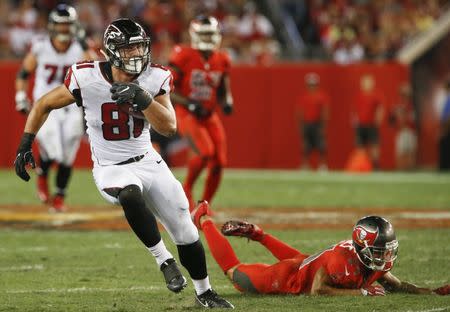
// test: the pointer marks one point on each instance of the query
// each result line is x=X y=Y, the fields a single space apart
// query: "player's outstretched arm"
x=57 y=98
x=323 y=285
x=393 y=284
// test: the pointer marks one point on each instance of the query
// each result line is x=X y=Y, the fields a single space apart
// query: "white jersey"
x=114 y=135
x=52 y=65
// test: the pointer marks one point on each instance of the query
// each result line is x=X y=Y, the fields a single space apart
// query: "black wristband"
x=26 y=142
x=143 y=99
x=23 y=74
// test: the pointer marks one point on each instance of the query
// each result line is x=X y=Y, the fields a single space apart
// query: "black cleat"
x=210 y=299
x=175 y=281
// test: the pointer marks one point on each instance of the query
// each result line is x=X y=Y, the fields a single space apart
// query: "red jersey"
x=340 y=262
x=312 y=104
x=366 y=104
x=198 y=78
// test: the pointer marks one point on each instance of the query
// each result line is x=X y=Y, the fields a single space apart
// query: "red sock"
x=219 y=246
x=195 y=166
x=279 y=249
x=212 y=181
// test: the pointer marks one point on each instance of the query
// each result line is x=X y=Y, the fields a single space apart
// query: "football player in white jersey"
x=50 y=57
x=121 y=98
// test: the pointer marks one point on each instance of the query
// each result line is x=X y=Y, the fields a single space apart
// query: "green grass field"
x=111 y=271
x=243 y=188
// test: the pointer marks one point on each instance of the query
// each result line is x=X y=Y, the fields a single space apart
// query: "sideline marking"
x=60 y=218
x=422 y=218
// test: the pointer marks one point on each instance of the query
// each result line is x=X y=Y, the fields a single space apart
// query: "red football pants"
x=279 y=278
x=257 y=277
x=207 y=137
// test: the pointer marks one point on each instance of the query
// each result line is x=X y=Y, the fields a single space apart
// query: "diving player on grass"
x=350 y=267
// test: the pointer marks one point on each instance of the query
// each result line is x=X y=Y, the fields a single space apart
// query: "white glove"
x=23 y=104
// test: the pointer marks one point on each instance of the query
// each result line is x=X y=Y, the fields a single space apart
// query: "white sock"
x=160 y=252
x=201 y=285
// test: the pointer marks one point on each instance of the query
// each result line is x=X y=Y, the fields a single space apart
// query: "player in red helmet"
x=201 y=78
x=350 y=267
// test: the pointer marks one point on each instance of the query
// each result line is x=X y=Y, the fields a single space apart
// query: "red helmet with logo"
x=375 y=243
x=205 y=33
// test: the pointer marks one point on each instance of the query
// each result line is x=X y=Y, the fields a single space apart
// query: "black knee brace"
x=139 y=217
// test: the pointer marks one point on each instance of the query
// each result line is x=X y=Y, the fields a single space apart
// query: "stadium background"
x=341 y=41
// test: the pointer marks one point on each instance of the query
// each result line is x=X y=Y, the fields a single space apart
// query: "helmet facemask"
x=378 y=258
x=133 y=58
x=63 y=32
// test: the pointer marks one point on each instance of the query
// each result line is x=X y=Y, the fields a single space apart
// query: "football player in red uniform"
x=202 y=86
x=350 y=267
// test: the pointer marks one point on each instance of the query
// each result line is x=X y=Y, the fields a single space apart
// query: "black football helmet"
x=375 y=243
x=205 y=33
x=126 y=46
x=67 y=16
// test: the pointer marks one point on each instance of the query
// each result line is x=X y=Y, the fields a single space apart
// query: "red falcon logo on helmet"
x=364 y=237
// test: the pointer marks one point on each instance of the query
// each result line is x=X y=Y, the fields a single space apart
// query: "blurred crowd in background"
x=354 y=30
x=345 y=31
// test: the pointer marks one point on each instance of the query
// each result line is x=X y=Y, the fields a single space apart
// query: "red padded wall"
x=262 y=133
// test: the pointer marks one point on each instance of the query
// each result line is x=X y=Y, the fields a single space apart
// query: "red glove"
x=373 y=291
x=443 y=291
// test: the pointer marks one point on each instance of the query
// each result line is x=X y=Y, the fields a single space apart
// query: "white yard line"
x=431 y=310
x=34 y=267
x=32 y=249
x=98 y=289
x=422 y=215
x=85 y=289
